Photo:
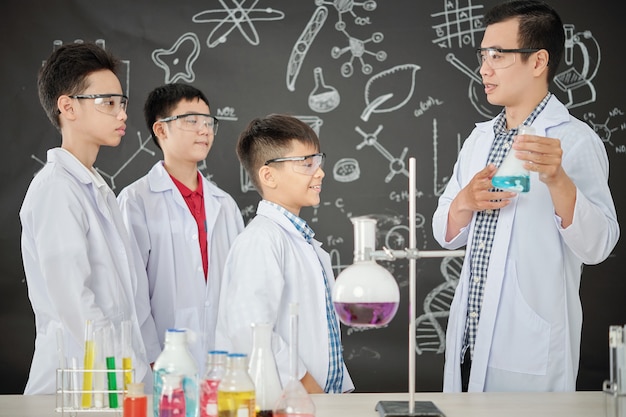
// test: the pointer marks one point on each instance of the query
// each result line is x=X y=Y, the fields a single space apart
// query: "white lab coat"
x=270 y=266
x=166 y=232
x=79 y=265
x=530 y=323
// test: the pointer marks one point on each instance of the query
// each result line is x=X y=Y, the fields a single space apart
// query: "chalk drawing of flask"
x=511 y=175
x=323 y=98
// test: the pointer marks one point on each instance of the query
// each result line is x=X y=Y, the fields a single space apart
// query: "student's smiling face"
x=295 y=190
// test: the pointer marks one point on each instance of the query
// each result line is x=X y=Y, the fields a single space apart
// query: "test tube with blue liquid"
x=511 y=175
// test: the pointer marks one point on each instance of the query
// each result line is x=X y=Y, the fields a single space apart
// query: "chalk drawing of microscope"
x=576 y=79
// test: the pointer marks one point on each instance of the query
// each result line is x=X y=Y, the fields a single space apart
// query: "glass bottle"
x=263 y=371
x=294 y=401
x=235 y=392
x=215 y=370
x=135 y=401
x=511 y=175
x=176 y=360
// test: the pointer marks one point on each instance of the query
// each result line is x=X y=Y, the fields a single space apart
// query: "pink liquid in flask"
x=366 y=314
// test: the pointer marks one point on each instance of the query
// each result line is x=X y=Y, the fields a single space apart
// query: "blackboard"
x=395 y=79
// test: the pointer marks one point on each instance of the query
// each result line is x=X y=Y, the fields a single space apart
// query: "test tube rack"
x=69 y=391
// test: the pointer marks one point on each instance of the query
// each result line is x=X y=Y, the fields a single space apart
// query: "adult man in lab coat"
x=79 y=261
x=183 y=224
x=516 y=318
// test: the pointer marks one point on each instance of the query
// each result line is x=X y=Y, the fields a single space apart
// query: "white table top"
x=575 y=404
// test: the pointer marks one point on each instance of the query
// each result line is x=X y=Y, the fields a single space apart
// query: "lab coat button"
x=194 y=237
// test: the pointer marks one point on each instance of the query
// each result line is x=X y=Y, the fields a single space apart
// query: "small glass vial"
x=135 y=401
x=235 y=393
x=215 y=370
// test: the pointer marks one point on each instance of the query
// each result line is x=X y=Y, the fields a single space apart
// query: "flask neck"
x=261 y=336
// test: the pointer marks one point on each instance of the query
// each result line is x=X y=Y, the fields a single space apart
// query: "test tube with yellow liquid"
x=90 y=357
x=127 y=361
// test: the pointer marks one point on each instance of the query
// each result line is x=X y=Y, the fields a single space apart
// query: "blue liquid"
x=519 y=183
x=366 y=314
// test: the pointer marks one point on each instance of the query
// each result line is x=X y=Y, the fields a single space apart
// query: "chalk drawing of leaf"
x=389 y=90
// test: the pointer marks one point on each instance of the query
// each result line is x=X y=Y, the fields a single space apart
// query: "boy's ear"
x=267 y=178
x=66 y=107
x=159 y=129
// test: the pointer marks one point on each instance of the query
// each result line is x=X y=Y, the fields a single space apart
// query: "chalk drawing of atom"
x=234 y=17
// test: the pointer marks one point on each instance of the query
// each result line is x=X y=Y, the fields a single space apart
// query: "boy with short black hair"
x=276 y=261
x=183 y=224
x=79 y=261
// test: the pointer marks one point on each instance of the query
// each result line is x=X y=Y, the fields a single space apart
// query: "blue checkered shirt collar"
x=298 y=222
x=499 y=124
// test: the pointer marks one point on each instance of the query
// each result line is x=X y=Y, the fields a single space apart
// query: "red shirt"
x=195 y=202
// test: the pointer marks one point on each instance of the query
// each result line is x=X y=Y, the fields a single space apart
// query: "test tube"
x=127 y=362
x=99 y=367
x=88 y=364
x=613 y=371
x=65 y=375
x=109 y=353
x=621 y=361
x=75 y=385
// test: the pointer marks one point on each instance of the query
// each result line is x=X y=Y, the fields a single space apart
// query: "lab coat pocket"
x=521 y=338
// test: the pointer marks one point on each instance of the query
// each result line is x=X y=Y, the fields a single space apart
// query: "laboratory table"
x=573 y=404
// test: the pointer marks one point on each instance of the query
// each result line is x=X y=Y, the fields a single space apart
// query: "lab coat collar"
x=67 y=160
x=159 y=180
x=554 y=114
x=266 y=209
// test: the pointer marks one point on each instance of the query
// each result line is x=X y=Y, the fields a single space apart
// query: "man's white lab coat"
x=531 y=318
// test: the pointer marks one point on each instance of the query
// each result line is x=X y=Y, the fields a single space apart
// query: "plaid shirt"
x=334 y=378
x=485 y=229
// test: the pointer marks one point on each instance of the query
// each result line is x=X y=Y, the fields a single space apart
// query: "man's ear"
x=66 y=107
x=267 y=178
x=541 y=61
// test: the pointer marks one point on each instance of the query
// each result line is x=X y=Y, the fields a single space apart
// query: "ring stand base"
x=401 y=409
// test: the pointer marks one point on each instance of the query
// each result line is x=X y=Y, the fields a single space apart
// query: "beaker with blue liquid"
x=511 y=175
